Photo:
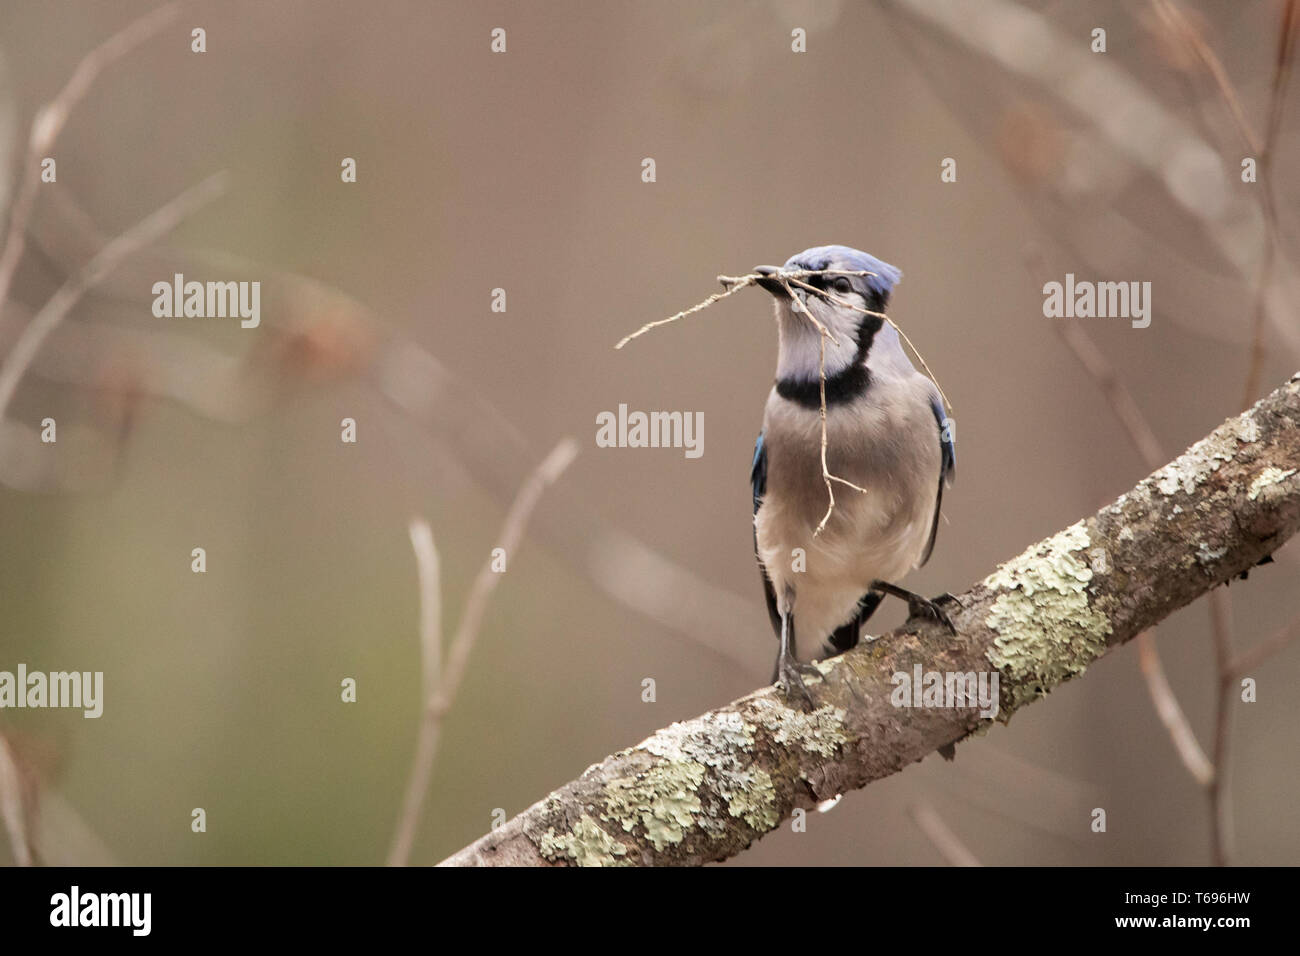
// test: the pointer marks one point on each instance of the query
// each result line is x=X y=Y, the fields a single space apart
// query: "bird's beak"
x=772 y=285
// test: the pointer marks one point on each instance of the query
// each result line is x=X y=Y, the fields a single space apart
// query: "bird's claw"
x=790 y=675
x=918 y=608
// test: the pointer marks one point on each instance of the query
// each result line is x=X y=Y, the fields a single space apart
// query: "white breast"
x=892 y=450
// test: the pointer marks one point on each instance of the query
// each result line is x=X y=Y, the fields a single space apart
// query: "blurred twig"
x=1288 y=32
x=1171 y=712
x=1211 y=773
x=147 y=230
x=1112 y=147
x=1221 y=838
x=1220 y=603
x=426 y=745
x=1288 y=28
x=11 y=805
x=1204 y=770
x=441 y=684
x=1116 y=393
x=50 y=120
x=314 y=329
x=1139 y=431
x=945 y=841
x=1168 y=709
x=547 y=473
x=1178 y=24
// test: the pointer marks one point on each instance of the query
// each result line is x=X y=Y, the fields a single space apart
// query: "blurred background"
x=522 y=171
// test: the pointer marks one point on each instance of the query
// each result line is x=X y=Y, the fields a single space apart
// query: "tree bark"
x=705 y=789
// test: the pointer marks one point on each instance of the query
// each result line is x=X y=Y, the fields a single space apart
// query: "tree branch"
x=705 y=789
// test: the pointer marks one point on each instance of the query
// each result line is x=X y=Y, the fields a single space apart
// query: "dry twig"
x=441 y=683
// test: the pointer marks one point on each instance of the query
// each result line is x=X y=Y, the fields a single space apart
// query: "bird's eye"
x=842 y=285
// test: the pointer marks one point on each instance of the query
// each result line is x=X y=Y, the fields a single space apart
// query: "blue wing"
x=758 y=483
x=758 y=472
x=947 y=469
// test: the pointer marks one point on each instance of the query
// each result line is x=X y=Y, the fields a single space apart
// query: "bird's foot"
x=921 y=609
x=790 y=674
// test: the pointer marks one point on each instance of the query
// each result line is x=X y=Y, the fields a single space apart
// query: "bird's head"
x=836 y=301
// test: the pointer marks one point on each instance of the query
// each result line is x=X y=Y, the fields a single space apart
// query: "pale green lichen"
x=1269 y=476
x=751 y=797
x=1195 y=465
x=706 y=739
x=819 y=732
x=1205 y=457
x=1047 y=630
x=662 y=800
x=717 y=741
x=587 y=845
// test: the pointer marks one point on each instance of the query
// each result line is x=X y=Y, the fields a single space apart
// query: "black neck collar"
x=845 y=385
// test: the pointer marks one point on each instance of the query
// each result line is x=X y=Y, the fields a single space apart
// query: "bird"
x=887 y=433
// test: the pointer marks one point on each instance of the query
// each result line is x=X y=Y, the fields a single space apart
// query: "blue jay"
x=885 y=433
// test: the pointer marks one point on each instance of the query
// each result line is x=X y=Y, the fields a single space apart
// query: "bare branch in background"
x=1179 y=25
x=50 y=120
x=147 y=230
x=1288 y=28
x=43 y=827
x=945 y=841
x=426 y=742
x=1221 y=838
x=1095 y=152
x=1171 y=712
x=441 y=684
x=1139 y=431
x=1211 y=774
x=12 y=809
x=319 y=333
